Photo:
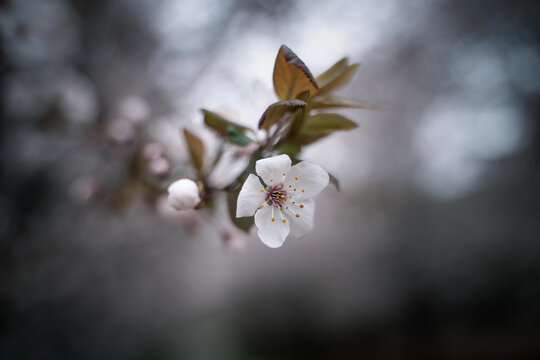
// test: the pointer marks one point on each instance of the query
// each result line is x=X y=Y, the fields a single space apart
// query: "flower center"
x=276 y=195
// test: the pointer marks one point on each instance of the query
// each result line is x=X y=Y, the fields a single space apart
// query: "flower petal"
x=250 y=198
x=271 y=233
x=308 y=179
x=271 y=169
x=303 y=224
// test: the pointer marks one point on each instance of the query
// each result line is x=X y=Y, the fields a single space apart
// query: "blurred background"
x=430 y=250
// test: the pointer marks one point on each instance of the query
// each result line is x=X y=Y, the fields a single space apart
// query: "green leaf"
x=333 y=72
x=220 y=124
x=334 y=102
x=304 y=138
x=290 y=149
x=291 y=76
x=235 y=136
x=327 y=122
x=196 y=150
x=338 y=79
x=276 y=111
x=317 y=127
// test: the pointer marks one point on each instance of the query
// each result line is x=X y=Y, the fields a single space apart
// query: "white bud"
x=184 y=194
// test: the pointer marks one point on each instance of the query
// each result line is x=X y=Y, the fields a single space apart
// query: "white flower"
x=284 y=205
x=184 y=194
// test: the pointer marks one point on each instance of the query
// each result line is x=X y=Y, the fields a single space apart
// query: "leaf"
x=235 y=136
x=327 y=122
x=220 y=124
x=316 y=127
x=338 y=79
x=333 y=72
x=275 y=112
x=196 y=150
x=290 y=149
x=304 y=96
x=291 y=76
x=305 y=138
x=334 y=102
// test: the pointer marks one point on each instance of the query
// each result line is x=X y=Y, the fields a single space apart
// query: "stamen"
x=297 y=215
x=301 y=206
x=303 y=190
x=284 y=174
x=284 y=220
x=290 y=185
x=273 y=219
x=294 y=189
x=262 y=189
x=296 y=178
x=262 y=205
x=271 y=180
x=294 y=202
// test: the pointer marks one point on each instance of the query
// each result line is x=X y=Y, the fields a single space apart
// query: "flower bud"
x=184 y=194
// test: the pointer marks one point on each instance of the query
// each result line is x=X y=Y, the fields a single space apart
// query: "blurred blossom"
x=166 y=131
x=244 y=151
x=84 y=188
x=153 y=150
x=159 y=166
x=121 y=131
x=134 y=109
x=227 y=169
x=234 y=240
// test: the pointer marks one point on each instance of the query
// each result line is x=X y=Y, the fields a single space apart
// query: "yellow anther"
x=296 y=178
x=262 y=205
x=284 y=174
x=284 y=220
x=273 y=219
x=290 y=185
x=286 y=207
x=297 y=215
x=294 y=202
x=301 y=206
x=294 y=189
x=303 y=190
x=262 y=189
